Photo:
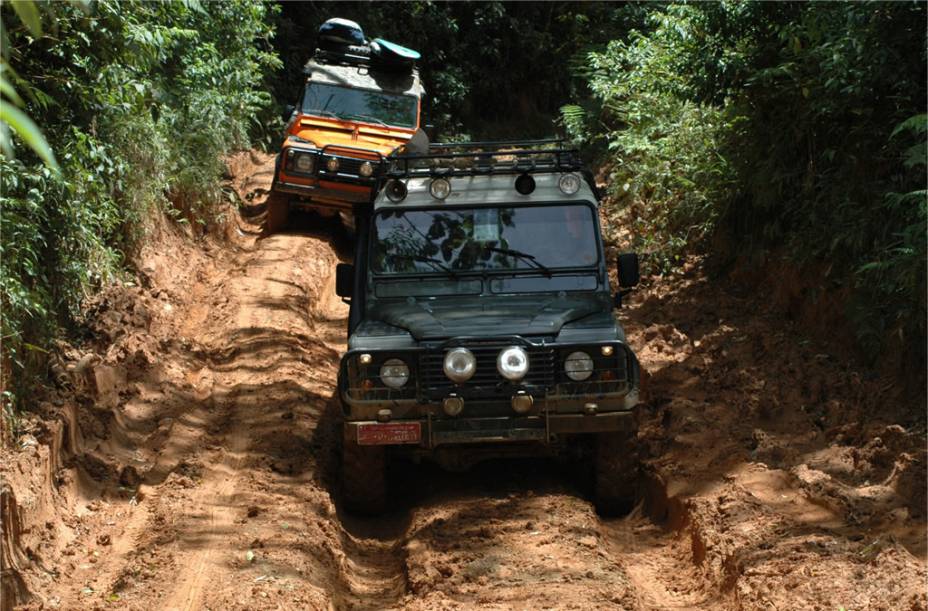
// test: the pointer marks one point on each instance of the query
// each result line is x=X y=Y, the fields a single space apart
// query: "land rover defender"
x=361 y=103
x=481 y=321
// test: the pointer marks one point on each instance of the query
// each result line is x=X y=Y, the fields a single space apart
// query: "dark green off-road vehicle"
x=481 y=321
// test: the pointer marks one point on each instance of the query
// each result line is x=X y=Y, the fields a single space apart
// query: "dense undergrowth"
x=139 y=102
x=790 y=134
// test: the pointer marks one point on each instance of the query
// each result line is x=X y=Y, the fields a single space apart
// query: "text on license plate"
x=389 y=433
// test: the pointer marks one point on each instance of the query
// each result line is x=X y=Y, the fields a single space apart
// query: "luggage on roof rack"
x=341 y=31
x=342 y=41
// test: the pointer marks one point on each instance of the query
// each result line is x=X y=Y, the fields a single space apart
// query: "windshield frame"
x=597 y=266
x=382 y=125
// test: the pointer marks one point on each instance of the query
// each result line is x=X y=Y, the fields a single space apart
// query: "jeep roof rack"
x=449 y=159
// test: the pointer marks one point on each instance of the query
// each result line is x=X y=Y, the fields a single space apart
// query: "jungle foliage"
x=761 y=131
x=138 y=101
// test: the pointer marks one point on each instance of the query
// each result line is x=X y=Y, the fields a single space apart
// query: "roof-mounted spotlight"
x=440 y=188
x=396 y=191
x=525 y=184
x=568 y=184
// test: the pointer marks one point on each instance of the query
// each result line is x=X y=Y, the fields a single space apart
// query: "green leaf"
x=6 y=88
x=26 y=129
x=29 y=14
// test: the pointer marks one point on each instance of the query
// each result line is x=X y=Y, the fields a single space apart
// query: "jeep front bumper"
x=429 y=433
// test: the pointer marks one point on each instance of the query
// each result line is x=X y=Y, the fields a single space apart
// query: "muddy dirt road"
x=187 y=461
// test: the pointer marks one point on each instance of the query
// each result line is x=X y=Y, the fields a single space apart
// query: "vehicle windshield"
x=455 y=240
x=360 y=105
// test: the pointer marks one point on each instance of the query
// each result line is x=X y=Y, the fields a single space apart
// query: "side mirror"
x=288 y=112
x=344 y=279
x=628 y=270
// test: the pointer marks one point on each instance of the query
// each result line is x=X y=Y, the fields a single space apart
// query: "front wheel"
x=278 y=210
x=617 y=471
x=364 y=477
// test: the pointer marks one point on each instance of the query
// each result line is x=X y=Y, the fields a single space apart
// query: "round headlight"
x=440 y=188
x=332 y=164
x=460 y=365
x=578 y=366
x=366 y=169
x=304 y=163
x=394 y=373
x=512 y=363
x=568 y=184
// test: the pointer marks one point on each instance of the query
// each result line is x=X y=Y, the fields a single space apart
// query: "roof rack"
x=446 y=160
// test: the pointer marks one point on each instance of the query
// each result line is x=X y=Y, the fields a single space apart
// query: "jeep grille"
x=487 y=383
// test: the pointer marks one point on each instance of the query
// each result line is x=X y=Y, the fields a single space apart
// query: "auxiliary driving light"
x=512 y=363
x=522 y=402
x=525 y=184
x=332 y=164
x=568 y=184
x=440 y=188
x=396 y=191
x=394 y=373
x=459 y=365
x=453 y=405
x=365 y=359
x=578 y=366
x=366 y=169
x=607 y=350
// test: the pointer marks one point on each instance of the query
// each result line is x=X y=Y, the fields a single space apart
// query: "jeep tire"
x=364 y=477
x=278 y=210
x=616 y=472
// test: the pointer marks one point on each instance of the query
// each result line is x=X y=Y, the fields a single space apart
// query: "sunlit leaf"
x=26 y=129
x=28 y=13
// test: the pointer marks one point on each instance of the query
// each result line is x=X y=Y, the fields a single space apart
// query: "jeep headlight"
x=459 y=365
x=303 y=162
x=366 y=169
x=512 y=363
x=578 y=366
x=394 y=373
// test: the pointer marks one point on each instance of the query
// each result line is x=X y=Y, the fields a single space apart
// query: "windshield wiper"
x=518 y=254
x=371 y=118
x=323 y=112
x=431 y=261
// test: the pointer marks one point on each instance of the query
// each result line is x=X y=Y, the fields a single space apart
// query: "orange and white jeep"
x=360 y=104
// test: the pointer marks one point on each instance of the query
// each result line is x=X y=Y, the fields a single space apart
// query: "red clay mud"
x=185 y=460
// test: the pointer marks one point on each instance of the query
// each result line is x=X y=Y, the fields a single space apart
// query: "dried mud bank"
x=795 y=478
x=185 y=460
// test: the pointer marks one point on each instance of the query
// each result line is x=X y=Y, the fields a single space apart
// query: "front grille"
x=347 y=167
x=486 y=382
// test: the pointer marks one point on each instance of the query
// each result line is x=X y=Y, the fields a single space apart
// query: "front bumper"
x=327 y=194
x=542 y=428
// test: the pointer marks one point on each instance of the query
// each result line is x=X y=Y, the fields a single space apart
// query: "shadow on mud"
x=329 y=228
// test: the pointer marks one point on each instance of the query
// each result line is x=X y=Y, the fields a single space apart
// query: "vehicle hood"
x=322 y=132
x=483 y=317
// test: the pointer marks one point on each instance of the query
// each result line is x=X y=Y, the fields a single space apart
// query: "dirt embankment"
x=185 y=461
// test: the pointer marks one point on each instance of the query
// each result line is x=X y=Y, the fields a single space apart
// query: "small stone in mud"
x=529 y=526
x=253 y=511
x=103 y=540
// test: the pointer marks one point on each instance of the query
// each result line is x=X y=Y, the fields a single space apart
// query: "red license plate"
x=389 y=433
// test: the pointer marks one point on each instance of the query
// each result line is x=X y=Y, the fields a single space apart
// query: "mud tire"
x=278 y=211
x=364 y=478
x=616 y=472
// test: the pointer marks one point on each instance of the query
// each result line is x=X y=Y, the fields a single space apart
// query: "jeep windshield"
x=361 y=105
x=453 y=241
